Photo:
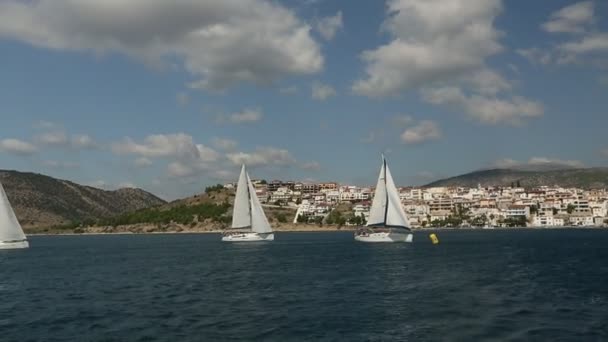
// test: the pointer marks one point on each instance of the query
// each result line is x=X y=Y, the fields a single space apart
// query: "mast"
x=386 y=192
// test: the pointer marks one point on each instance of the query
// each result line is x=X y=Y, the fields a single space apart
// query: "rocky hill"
x=582 y=178
x=40 y=200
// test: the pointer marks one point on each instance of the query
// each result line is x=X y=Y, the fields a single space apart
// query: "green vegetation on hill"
x=182 y=214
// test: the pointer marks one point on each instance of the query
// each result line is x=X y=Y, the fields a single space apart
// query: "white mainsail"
x=10 y=229
x=259 y=222
x=241 y=215
x=386 y=207
x=377 y=211
x=248 y=212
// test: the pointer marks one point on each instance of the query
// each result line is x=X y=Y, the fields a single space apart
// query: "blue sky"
x=171 y=97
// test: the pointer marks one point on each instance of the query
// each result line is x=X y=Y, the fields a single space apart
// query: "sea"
x=483 y=285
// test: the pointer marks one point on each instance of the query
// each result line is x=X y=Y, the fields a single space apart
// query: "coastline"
x=281 y=229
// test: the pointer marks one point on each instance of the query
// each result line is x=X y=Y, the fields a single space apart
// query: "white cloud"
x=182 y=98
x=571 y=19
x=59 y=138
x=329 y=26
x=322 y=91
x=60 y=164
x=505 y=163
x=56 y=138
x=536 y=55
x=220 y=42
x=486 y=109
x=126 y=185
x=545 y=160
x=423 y=131
x=43 y=124
x=179 y=145
x=17 y=147
x=403 y=120
x=290 y=90
x=593 y=43
x=537 y=162
x=206 y=154
x=246 y=116
x=262 y=156
x=224 y=144
x=100 y=184
x=143 y=162
x=83 y=141
x=432 y=41
x=370 y=138
x=588 y=48
x=444 y=44
x=311 y=166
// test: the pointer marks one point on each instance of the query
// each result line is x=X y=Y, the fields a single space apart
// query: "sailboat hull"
x=248 y=237
x=384 y=236
x=14 y=244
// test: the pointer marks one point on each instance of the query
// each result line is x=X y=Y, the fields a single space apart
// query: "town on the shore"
x=483 y=207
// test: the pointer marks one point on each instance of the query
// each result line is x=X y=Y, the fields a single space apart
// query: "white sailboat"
x=11 y=233
x=387 y=220
x=249 y=223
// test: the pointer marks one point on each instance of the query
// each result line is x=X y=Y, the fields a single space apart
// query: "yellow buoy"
x=434 y=239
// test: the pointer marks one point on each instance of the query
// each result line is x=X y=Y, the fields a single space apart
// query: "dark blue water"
x=475 y=286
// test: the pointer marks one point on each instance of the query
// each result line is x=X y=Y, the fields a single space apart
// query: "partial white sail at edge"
x=10 y=229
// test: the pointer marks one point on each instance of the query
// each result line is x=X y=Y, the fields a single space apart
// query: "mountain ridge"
x=40 y=200
x=585 y=178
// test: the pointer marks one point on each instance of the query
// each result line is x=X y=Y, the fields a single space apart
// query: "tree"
x=281 y=217
x=518 y=184
x=319 y=220
x=302 y=219
x=213 y=188
x=516 y=221
x=570 y=208
x=298 y=201
x=479 y=221
x=533 y=209
x=555 y=211
x=263 y=181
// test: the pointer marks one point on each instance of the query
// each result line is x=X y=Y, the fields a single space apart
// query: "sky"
x=173 y=96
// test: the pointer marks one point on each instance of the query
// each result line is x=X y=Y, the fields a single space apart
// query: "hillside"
x=581 y=178
x=40 y=200
x=209 y=211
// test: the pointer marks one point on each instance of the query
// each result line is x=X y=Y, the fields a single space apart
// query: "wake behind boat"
x=11 y=233
x=249 y=223
x=387 y=220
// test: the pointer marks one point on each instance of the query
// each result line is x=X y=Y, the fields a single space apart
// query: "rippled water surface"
x=473 y=286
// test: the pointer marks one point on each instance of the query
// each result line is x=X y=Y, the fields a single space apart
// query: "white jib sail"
x=376 y=213
x=241 y=214
x=259 y=222
x=395 y=215
x=10 y=229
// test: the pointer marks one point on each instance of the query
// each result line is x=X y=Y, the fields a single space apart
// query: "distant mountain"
x=582 y=178
x=40 y=200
